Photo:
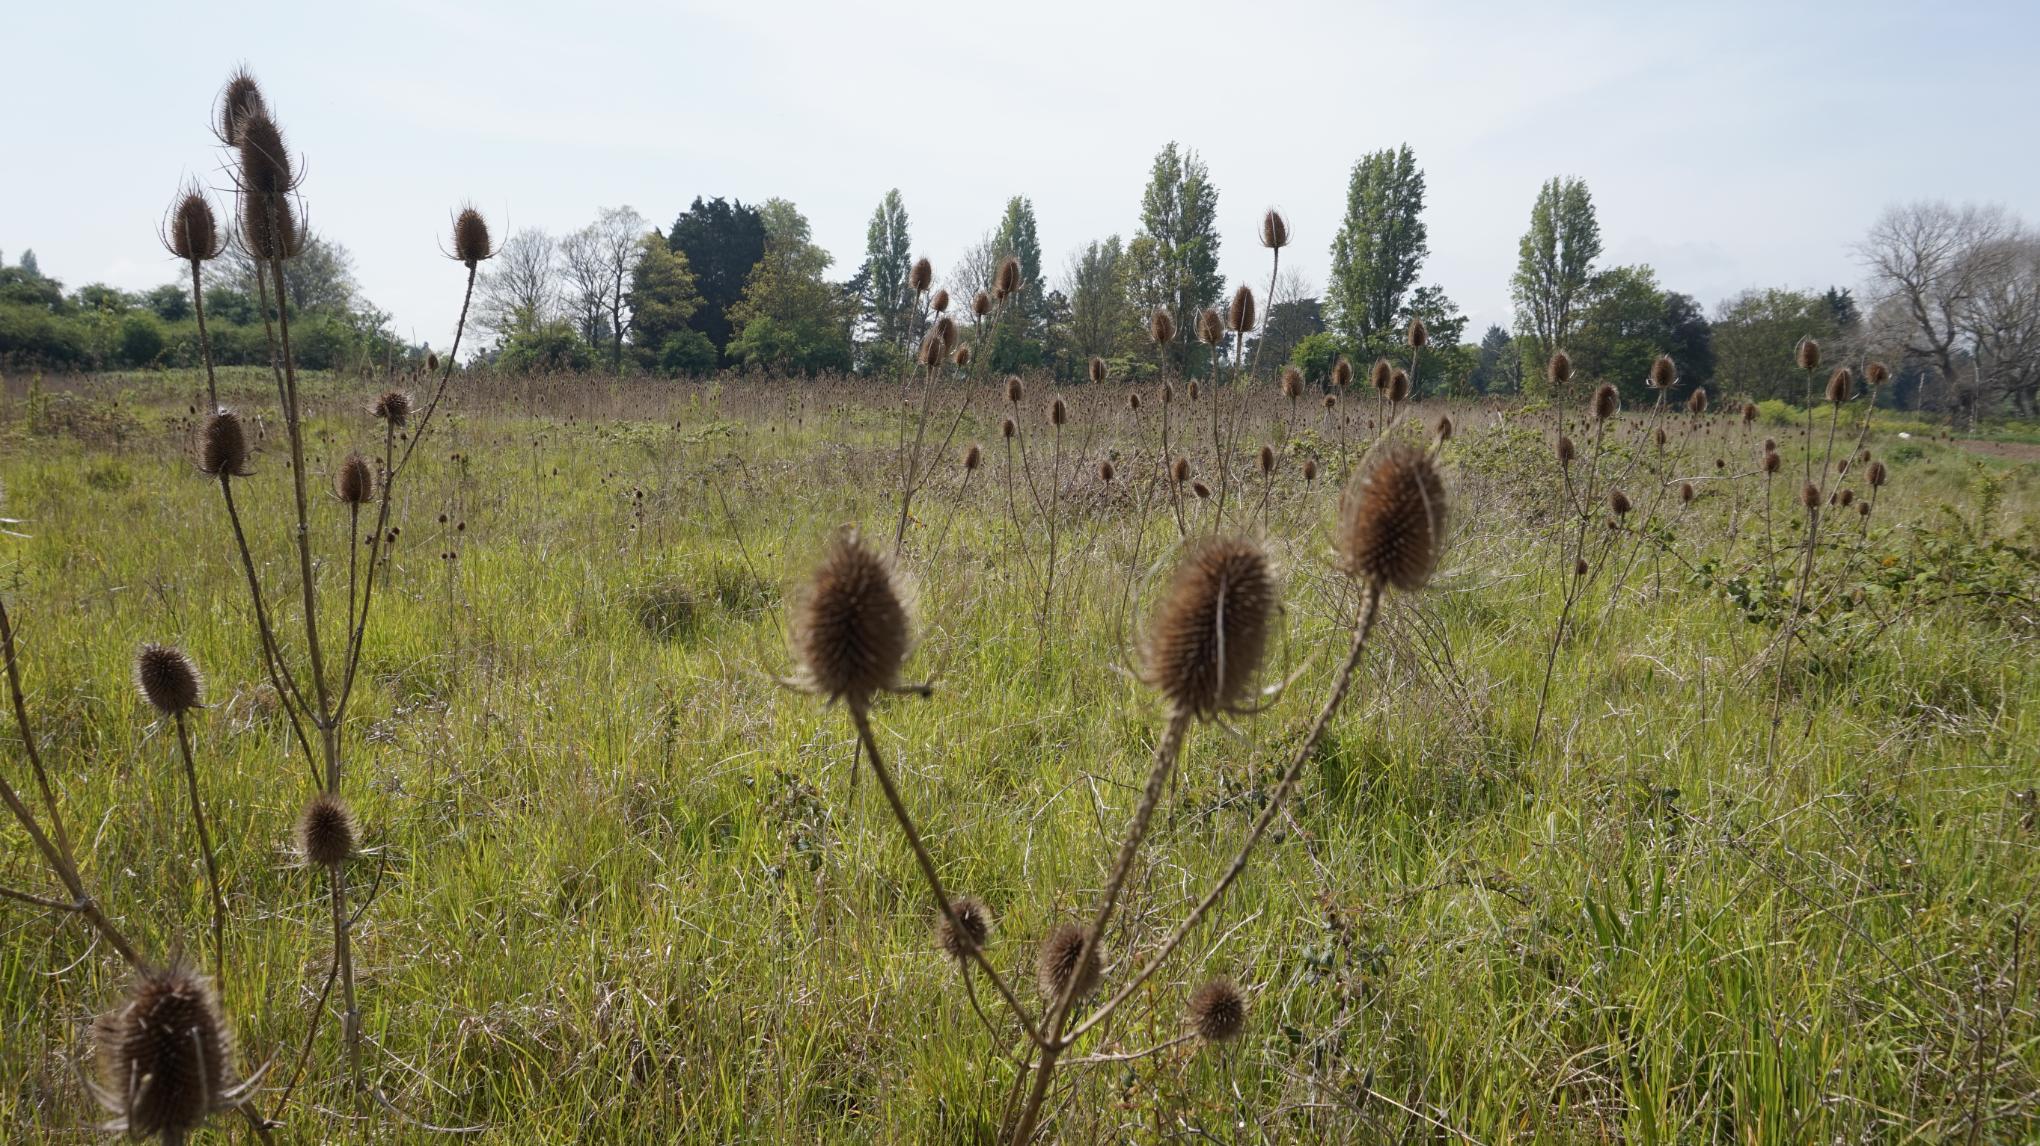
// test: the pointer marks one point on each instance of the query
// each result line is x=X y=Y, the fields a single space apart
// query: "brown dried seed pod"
x=1342 y=373
x=1418 y=335
x=1842 y=467
x=166 y=1057
x=1105 y=471
x=269 y=227
x=962 y=356
x=931 y=353
x=1809 y=496
x=1772 y=461
x=964 y=927
x=1210 y=327
x=851 y=632
x=1443 y=428
x=1057 y=964
x=1846 y=496
x=192 y=232
x=1618 y=502
x=1686 y=493
x=265 y=163
x=1876 y=475
x=326 y=833
x=1217 y=1011
x=940 y=300
x=1058 y=413
x=471 y=243
x=1207 y=639
x=1380 y=374
x=973 y=458
x=1330 y=400
x=240 y=99
x=921 y=277
x=1398 y=386
x=167 y=679
x=945 y=329
x=1808 y=354
x=1267 y=460
x=1161 y=327
x=1133 y=401
x=1658 y=437
x=1193 y=389
x=1697 y=402
x=1566 y=450
x=1863 y=509
x=1877 y=374
x=224 y=450
x=394 y=407
x=1310 y=469
x=353 y=484
x=1006 y=282
x=981 y=304
x=1274 y=230
x=1179 y=470
x=1292 y=382
x=1168 y=394
x=1392 y=519
x=1749 y=412
x=1559 y=369
x=1014 y=390
x=1579 y=567
x=1841 y=386
x=1663 y=372
x=1008 y=428
x=1606 y=402
x=1095 y=369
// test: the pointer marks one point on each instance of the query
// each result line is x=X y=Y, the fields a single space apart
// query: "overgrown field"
x=628 y=888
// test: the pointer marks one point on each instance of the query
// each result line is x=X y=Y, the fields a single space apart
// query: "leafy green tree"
x=1841 y=304
x=320 y=278
x=141 y=339
x=1621 y=331
x=170 y=302
x=1554 y=270
x=1101 y=316
x=1689 y=339
x=662 y=299
x=1288 y=323
x=1380 y=246
x=1755 y=335
x=1315 y=355
x=888 y=259
x=1444 y=364
x=790 y=317
x=549 y=347
x=1175 y=255
x=723 y=240
x=1499 y=367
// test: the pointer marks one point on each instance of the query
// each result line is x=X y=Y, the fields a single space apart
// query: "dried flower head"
x=265 y=169
x=964 y=927
x=1618 y=502
x=1179 y=470
x=1210 y=327
x=471 y=242
x=1841 y=386
x=1274 y=230
x=1014 y=390
x=192 y=232
x=1096 y=370
x=1606 y=402
x=1239 y=316
x=1846 y=497
x=1006 y=283
x=973 y=458
x=1807 y=354
x=1309 y=469
x=1218 y=1012
x=1877 y=374
x=921 y=277
x=1566 y=450
x=1663 y=372
x=939 y=301
x=945 y=329
x=1686 y=493
x=1809 y=495
x=981 y=304
x=1749 y=412
x=1559 y=369
x=166 y=1057
x=223 y=452
x=1133 y=401
x=1161 y=327
x=394 y=407
x=240 y=99
x=1056 y=968
x=1267 y=460
x=961 y=357
x=1105 y=471
x=269 y=227
x=1392 y=519
x=1058 y=413
x=1331 y=400
x=931 y=353
x=1876 y=475
x=1399 y=386
x=1696 y=403
x=353 y=484
x=850 y=631
x=167 y=679
x=1168 y=394
x=326 y=833
x=1202 y=491
x=1772 y=462
x=1292 y=383
x=1443 y=428
x=1419 y=335
x=1008 y=428
x=1378 y=376
x=1207 y=639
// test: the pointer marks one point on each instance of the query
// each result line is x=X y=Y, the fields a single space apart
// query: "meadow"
x=1757 y=866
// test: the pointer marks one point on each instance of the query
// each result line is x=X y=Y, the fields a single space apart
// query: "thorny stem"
x=212 y=870
x=212 y=389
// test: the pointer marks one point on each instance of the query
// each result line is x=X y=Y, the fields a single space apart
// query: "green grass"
x=629 y=892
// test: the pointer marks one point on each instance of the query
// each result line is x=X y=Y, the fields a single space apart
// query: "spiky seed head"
x=1399 y=385
x=1877 y=374
x=1686 y=493
x=1267 y=460
x=165 y=1056
x=1841 y=385
x=1566 y=450
x=1179 y=470
x=269 y=227
x=1380 y=374
x=1392 y=519
x=931 y=353
x=945 y=329
x=224 y=450
x=1161 y=327
x=973 y=458
x=962 y=356
x=1749 y=412
x=1014 y=390
x=1770 y=444
x=1443 y=429
x=193 y=231
x=1168 y=394
x=1863 y=509
x=167 y=679
x=394 y=407
x=265 y=164
x=1342 y=373
x=1133 y=401
x=1419 y=335
x=1809 y=495
x=326 y=833
x=240 y=99
x=1006 y=283
x=1658 y=437
x=1606 y=402
x=1292 y=383
x=1772 y=461
x=1239 y=317
x=1057 y=966
x=1210 y=327
x=1202 y=491
x=1842 y=467
x=939 y=302
x=1663 y=372
x=1008 y=428
x=964 y=927
x=981 y=304
x=1058 y=413
x=1193 y=389
x=1720 y=464
x=1807 y=354
x=1876 y=475
x=1846 y=497
x=922 y=276
x=1559 y=369
x=1696 y=403
x=1274 y=230
x=471 y=243
x=851 y=631
x=1205 y=643
x=1309 y=470
x=1618 y=502
x=1579 y=567
x=1096 y=369
x=1218 y=1011
x=431 y=362
x=1331 y=400
x=1863 y=455
x=1105 y=471
x=353 y=484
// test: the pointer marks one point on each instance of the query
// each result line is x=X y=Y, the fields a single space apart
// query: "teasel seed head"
x=1863 y=455
x=1133 y=401
x=1399 y=386
x=931 y=353
x=192 y=232
x=1697 y=402
x=1443 y=428
x=326 y=833
x=1566 y=450
x=1267 y=460
x=1239 y=317
x=1380 y=374
x=1008 y=428
x=1579 y=567
x=166 y=1057
x=1168 y=394
x=1057 y=965
x=1877 y=374
x=1218 y=1011
x=431 y=362
x=1606 y=402
x=1749 y=412
x=1559 y=369
x=1342 y=373
x=240 y=99
x=471 y=243
x=1179 y=470
x=1863 y=508
x=1842 y=467
x=1772 y=462
x=1808 y=354
x=269 y=227
x=973 y=458
x=1006 y=283
x=224 y=450
x=1058 y=413
x=1809 y=495
x=1161 y=327
x=971 y=926
x=1206 y=641
x=921 y=277
x=939 y=302
x=1210 y=327
x=1392 y=519
x=167 y=679
x=265 y=164
x=851 y=631
x=1192 y=389
x=1309 y=470
x=945 y=329
x=1663 y=372
x=1841 y=385
x=1096 y=369
x=1876 y=475
x=1014 y=389
x=394 y=407
x=962 y=356
x=1331 y=400
x=1846 y=497
x=1658 y=437
x=1770 y=444
x=1105 y=471
x=1292 y=382
x=1419 y=335
x=1686 y=493
x=1618 y=502
x=1202 y=491
x=981 y=304
x=353 y=483
x=1274 y=230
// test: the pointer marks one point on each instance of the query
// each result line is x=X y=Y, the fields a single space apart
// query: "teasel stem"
x=860 y=716
x=1576 y=581
x=212 y=389
x=205 y=845
x=1790 y=630
x=1341 y=686
x=910 y=479
x=280 y=677
x=1055 y=477
x=1274 y=270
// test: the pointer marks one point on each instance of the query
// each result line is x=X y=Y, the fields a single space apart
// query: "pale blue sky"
x=1729 y=145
